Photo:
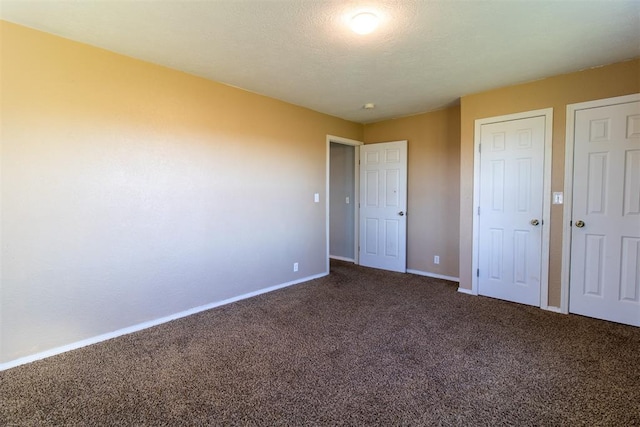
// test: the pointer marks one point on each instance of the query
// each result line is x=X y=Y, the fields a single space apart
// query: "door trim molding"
x=356 y=195
x=547 y=113
x=567 y=211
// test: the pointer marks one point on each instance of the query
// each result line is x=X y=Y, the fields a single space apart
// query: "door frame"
x=567 y=214
x=356 y=196
x=547 y=113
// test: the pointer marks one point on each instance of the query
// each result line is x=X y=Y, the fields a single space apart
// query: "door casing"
x=568 y=187
x=546 y=207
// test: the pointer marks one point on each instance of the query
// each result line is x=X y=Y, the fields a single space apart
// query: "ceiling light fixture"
x=364 y=23
x=369 y=106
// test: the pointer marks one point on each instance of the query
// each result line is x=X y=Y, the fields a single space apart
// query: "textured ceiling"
x=425 y=54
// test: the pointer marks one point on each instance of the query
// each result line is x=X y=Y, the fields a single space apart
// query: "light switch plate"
x=558 y=198
x=316 y=197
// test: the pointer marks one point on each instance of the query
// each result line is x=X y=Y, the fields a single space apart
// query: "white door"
x=383 y=206
x=605 y=235
x=511 y=209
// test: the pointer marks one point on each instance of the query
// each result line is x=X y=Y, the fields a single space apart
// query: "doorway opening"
x=343 y=184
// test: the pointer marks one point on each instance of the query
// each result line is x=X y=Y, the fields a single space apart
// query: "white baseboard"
x=341 y=258
x=465 y=291
x=135 y=328
x=435 y=276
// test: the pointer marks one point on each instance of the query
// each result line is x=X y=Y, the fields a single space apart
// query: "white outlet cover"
x=316 y=197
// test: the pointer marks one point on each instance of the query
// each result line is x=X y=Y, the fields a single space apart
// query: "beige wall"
x=434 y=186
x=604 y=82
x=132 y=192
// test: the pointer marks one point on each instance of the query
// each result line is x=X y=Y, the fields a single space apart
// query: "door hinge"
x=479 y=148
x=570 y=223
x=478 y=210
x=478 y=273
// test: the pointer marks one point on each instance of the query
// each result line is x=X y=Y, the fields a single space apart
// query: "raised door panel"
x=630 y=270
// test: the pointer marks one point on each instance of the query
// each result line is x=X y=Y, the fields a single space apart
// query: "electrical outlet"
x=436 y=259
x=295 y=266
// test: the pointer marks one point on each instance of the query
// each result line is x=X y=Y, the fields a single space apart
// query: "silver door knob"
x=579 y=223
x=401 y=213
x=535 y=222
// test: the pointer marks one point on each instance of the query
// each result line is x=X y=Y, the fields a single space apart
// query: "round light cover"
x=364 y=23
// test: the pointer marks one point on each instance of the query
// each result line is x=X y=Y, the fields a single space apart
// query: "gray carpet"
x=360 y=347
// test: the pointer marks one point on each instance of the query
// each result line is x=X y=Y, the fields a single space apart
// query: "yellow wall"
x=131 y=191
x=434 y=185
x=604 y=82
